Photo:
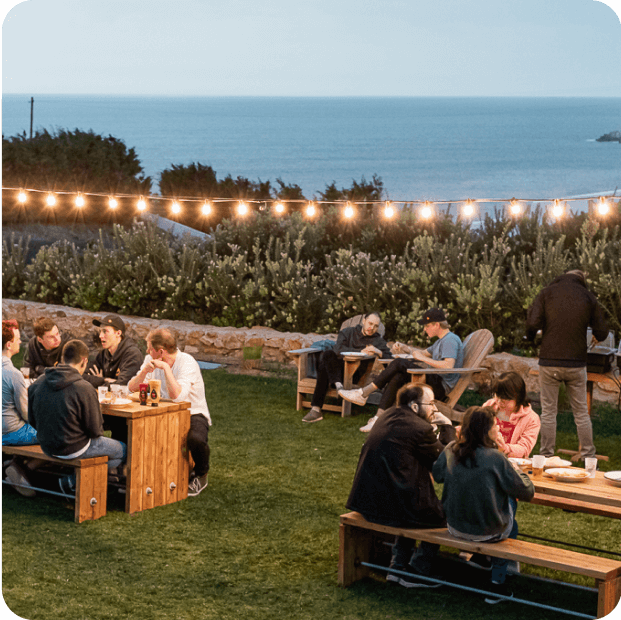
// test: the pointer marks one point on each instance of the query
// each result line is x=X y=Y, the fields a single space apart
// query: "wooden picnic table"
x=157 y=455
x=593 y=495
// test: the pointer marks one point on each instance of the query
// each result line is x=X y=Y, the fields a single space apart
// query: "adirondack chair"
x=307 y=360
x=477 y=346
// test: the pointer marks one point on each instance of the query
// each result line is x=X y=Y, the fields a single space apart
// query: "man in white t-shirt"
x=181 y=381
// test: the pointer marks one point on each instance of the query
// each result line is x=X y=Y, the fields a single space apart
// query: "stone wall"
x=226 y=344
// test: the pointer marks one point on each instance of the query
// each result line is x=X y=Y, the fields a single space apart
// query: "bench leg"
x=355 y=546
x=91 y=493
x=608 y=594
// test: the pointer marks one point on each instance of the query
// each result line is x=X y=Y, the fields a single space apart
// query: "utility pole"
x=31 y=114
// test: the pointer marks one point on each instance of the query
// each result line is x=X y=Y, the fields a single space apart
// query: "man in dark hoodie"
x=564 y=310
x=120 y=358
x=44 y=348
x=64 y=410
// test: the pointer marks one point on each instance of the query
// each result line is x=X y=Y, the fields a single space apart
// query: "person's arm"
x=382 y=349
x=145 y=370
x=535 y=319
x=425 y=357
x=599 y=325
x=438 y=470
x=92 y=420
x=521 y=446
x=93 y=373
x=21 y=396
x=343 y=340
x=173 y=386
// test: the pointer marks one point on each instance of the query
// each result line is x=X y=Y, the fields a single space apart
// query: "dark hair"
x=42 y=325
x=162 y=339
x=510 y=386
x=7 y=331
x=412 y=392
x=366 y=315
x=74 y=352
x=478 y=422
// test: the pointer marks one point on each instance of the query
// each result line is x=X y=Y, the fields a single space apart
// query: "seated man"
x=392 y=485
x=364 y=338
x=120 y=358
x=64 y=409
x=45 y=347
x=446 y=352
x=181 y=380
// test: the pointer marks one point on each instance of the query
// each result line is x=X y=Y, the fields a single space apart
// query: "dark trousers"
x=395 y=375
x=329 y=371
x=198 y=443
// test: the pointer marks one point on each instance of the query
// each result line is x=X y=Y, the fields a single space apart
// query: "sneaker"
x=369 y=425
x=312 y=416
x=353 y=396
x=196 y=486
x=412 y=582
x=17 y=479
x=67 y=487
x=480 y=561
x=496 y=591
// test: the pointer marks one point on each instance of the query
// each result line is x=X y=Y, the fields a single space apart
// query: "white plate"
x=613 y=477
x=557 y=462
x=120 y=401
x=520 y=462
x=562 y=474
x=403 y=356
x=354 y=353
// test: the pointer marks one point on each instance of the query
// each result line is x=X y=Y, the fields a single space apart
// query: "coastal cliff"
x=613 y=136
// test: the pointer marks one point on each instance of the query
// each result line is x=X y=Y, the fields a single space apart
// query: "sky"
x=312 y=48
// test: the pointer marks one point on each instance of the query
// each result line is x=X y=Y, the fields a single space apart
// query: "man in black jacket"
x=64 y=410
x=120 y=358
x=45 y=347
x=564 y=310
x=393 y=486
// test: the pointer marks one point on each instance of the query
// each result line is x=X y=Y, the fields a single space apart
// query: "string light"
x=21 y=197
x=79 y=201
x=113 y=203
x=349 y=211
x=603 y=207
x=279 y=208
x=468 y=208
x=206 y=210
x=310 y=210
x=389 y=210
x=51 y=200
x=242 y=209
x=427 y=211
x=141 y=204
x=176 y=207
x=557 y=209
x=515 y=207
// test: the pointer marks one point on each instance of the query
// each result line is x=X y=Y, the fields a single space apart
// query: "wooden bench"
x=359 y=544
x=91 y=492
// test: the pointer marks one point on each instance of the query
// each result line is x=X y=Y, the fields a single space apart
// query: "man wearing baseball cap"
x=446 y=352
x=120 y=358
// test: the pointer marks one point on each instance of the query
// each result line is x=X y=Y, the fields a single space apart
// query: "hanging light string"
x=279 y=207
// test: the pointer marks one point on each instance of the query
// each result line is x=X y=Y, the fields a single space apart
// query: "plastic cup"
x=538 y=462
x=590 y=465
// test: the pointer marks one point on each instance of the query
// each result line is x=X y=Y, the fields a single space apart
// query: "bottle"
x=144 y=390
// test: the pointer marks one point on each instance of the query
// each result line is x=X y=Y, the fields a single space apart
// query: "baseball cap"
x=433 y=315
x=112 y=319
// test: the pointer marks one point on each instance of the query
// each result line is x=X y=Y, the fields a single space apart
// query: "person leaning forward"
x=446 y=352
x=364 y=338
x=45 y=347
x=392 y=485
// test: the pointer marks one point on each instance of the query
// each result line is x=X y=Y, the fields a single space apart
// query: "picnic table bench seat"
x=91 y=492
x=359 y=544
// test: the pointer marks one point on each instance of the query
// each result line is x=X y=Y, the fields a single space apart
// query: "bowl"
x=613 y=477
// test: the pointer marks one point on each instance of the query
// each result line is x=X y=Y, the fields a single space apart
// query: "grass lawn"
x=262 y=540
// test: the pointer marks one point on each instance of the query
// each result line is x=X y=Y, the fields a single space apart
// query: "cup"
x=590 y=465
x=25 y=371
x=155 y=391
x=101 y=392
x=538 y=462
x=117 y=389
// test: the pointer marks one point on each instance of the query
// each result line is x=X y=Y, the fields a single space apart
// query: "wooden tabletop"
x=136 y=410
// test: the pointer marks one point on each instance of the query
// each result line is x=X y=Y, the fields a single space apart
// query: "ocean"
x=438 y=149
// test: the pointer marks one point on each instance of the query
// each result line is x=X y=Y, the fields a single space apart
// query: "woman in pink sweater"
x=518 y=424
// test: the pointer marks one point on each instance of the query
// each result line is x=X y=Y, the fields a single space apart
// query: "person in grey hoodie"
x=65 y=411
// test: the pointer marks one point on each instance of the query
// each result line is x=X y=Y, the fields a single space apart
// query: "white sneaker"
x=17 y=479
x=353 y=396
x=369 y=425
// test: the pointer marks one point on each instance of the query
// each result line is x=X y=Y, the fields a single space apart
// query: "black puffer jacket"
x=564 y=310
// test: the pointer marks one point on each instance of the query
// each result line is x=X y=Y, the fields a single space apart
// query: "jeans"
x=575 y=379
x=329 y=372
x=396 y=375
x=116 y=451
x=198 y=443
x=24 y=436
x=499 y=565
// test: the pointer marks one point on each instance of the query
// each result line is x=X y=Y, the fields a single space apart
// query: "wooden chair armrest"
x=306 y=350
x=444 y=371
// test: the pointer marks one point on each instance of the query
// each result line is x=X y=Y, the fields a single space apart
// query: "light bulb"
x=79 y=201
x=310 y=210
x=206 y=210
x=21 y=197
x=142 y=205
x=113 y=203
x=176 y=207
x=242 y=208
x=51 y=200
x=389 y=210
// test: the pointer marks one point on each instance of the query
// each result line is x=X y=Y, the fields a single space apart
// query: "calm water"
x=423 y=148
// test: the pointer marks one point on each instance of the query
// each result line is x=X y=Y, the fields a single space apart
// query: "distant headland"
x=613 y=136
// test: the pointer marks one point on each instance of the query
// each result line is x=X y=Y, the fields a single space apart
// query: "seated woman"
x=518 y=424
x=481 y=487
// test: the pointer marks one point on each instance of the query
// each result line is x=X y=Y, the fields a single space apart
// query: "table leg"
x=348 y=374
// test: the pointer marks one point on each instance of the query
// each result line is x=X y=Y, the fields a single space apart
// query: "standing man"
x=64 y=409
x=564 y=310
x=181 y=380
x=446 y=352
x=45 y=347
x=393 y=485
x=120 y=358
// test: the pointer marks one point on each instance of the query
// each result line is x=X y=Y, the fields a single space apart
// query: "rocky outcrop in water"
x=613 y=136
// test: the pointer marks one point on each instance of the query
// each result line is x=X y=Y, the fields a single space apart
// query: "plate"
x=117 y=401
x=520 y=462
x=354 y=353
x=403 y=356
x=613 y=477
x=562 y=474
x=555 y=461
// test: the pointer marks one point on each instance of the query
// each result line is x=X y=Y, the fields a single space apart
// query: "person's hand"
x=371 y=350
x=418 y=355
x=159 y=364
x=400 y=348
x=94 y=370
